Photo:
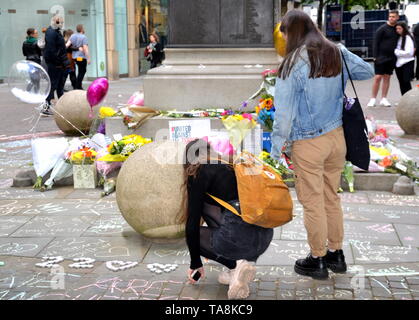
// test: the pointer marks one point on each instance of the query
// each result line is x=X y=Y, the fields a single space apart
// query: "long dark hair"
x=405 y=33
x=197 y=153
x=324 y=55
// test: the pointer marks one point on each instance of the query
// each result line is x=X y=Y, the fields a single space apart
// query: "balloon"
x=280 y=43
x=137 y=99
x=97 y=91
x=29 y=82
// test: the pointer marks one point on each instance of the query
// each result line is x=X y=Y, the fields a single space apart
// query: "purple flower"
x=102 y=128
x=244 y=105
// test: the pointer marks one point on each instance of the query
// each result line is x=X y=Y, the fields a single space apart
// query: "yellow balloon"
x=279 y=41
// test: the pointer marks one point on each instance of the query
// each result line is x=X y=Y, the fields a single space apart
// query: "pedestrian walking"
x=226 y=239
x=55 y=54
x=32 y=52
x=71 y=71
x=81 y=55
x=405 y=53
x=416 y=37
x=385 y=41
x=154 y=51
x=309 y=103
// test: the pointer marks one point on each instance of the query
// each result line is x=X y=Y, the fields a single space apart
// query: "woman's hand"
x=190 y=272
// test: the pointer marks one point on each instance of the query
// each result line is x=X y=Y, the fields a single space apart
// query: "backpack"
x=264 y=198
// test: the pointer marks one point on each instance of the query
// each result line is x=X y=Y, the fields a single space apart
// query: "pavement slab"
x=99 y=248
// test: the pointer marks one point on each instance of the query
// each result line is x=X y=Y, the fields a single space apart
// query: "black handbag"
x=355 y=128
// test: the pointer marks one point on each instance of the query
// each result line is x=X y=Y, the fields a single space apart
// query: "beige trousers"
x=318 y=166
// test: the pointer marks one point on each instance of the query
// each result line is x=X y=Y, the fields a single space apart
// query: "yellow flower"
x=105 y=112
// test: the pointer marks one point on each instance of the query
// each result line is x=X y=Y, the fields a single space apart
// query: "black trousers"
x=56 y=76
x=404 y=75
x=81 y=71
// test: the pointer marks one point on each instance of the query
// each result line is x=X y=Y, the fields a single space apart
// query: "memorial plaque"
x=221 y=23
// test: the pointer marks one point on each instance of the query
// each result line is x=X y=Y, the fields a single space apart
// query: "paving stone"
x=264 y=293
x=267 y=286
x=24 y=247
x=379 y=282
x=304 y=292
x=190 y=291
x=363 y=294
x=412 y=280
x=264 y=298
x=283 y=285
x=343 y=294
x=325 y=297
x=381 y=292
x=286 y=294
x=409 y=234
x=324 y=290
x=398 y=285
x=347 y=286
x=101 y=249
x=395 y=278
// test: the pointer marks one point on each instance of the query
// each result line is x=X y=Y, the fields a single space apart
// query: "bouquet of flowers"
x=238 y=126
x=279 y=166
x=120 y=150
x=84 y=155
x=265 y=111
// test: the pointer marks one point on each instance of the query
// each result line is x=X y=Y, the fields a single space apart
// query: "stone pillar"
x=216 y=53
x=111 y=53
x=133 y=50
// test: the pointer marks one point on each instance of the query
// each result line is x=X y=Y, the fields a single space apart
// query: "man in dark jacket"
x=416 y=36
x=55 y=56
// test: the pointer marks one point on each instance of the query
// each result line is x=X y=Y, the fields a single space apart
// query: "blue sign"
x=266 y=141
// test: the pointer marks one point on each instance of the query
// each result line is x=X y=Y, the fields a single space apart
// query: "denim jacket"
x=307 y=108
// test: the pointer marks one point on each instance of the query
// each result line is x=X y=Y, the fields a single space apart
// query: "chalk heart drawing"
x=159 y=268
x=115 y=252
x=116 y=265
x=50 y=262
x=82 y=263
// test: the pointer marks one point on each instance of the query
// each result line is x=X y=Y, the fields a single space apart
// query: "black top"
x=32 y=52
x=157 y=53
x=385 y=41
x=218 y=180
x=55 y=51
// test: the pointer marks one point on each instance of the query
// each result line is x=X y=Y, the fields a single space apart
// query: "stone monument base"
x=207 y=77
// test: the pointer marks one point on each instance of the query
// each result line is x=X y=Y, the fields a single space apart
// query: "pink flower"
x=247 y=116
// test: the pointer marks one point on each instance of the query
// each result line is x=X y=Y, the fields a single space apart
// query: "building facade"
x=118 y=30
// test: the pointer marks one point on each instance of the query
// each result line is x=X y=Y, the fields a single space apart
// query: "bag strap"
x=349 y=74
x=225 y=205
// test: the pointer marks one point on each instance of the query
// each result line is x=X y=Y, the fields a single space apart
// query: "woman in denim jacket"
x=309 y=102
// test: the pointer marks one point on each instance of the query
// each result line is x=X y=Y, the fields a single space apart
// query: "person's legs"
x=61 y=82
x=52 y=73
x=406 y=76
x=208 y=252
x=308 y=158
x=81 y=66
x=399 y=74
x=376 y=85
x=386 y=85
x=333 y=168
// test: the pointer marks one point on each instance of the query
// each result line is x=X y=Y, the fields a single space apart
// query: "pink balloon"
x=136 y=99
x=97 y=91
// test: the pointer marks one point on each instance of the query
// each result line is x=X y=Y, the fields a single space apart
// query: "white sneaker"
x=384 y=102
x=241 y=276
x=371 y=103
x=225 y=277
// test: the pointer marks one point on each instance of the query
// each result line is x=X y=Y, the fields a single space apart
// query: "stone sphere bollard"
x=407 y=112
x=74 y=107
x=149 y=190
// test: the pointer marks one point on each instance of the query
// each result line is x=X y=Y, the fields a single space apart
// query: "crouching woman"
x=226 y=238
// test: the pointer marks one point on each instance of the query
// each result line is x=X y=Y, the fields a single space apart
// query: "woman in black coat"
x=154 y=51
x=32 y=52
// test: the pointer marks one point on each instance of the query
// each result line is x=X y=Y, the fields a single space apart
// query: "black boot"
x=312 y=267
x=335 y=261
